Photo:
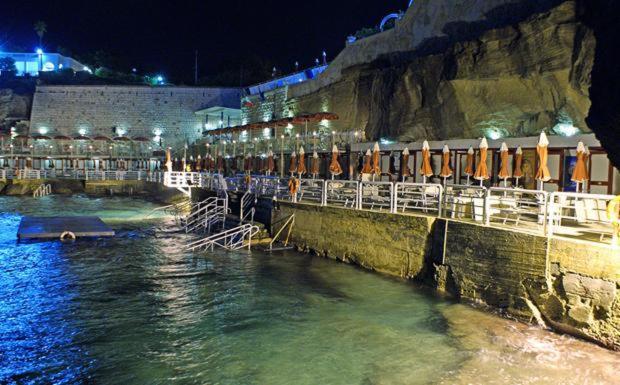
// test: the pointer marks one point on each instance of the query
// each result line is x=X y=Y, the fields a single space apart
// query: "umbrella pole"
x=481 y=182
x=424 y=179
x=468 y=180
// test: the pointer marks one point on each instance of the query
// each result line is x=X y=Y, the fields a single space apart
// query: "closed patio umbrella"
x=293 y=165
x=469 y=165
x=367 y=169
x=199 y=163
x=247 y=164
x=482 y=171
x=503 y=169
x=376 y=161
x=168 y=160
x=404 y=165
x=518 y=173
x=580 y=174
x=426 y=171
x=301 y=164
x=220 y=162
x=334 y=165
x=542 y=173
x=270 y=163
x=314 y=167
x=446 y=170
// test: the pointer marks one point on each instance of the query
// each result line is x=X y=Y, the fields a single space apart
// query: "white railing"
x=523 y=209
x=418 y=197
x=29 y=174
x=311 y=191
x=246 y=207
x=464 y=202
x=583 y=216
x=43 y=190
x=341 y=193
x=233 y=239
x=376 y=196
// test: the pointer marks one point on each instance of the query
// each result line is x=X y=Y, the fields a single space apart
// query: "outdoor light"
x=70 y=146
x=297 y=135
x=160 y=79
x=566 y=129
x=289 y=126
x=43 y=130
x=39 y=51
x=82 y=131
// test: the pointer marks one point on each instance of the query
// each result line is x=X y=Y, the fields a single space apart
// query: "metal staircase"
x=233 y=239
x=247 y=207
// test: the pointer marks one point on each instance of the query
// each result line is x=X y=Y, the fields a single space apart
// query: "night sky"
x=161 y=36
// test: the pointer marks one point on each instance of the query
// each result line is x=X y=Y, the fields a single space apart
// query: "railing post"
x=487 y=208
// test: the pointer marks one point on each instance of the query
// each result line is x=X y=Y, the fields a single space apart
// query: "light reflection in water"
x=136 y=309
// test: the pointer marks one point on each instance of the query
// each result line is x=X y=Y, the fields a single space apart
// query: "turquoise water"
x=135 y=309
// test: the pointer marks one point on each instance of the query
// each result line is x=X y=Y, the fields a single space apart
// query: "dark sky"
x=162 y=35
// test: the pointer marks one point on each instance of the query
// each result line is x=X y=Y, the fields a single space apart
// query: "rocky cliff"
x=14 y=106
x=515 y=79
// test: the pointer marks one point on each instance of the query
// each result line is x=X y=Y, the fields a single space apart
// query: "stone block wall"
x=135 y=110
x=391 y=244
x=569 y=286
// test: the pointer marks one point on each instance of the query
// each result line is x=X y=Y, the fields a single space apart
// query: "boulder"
x=18 y=189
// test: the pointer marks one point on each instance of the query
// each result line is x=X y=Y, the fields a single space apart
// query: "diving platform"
x=65 y=227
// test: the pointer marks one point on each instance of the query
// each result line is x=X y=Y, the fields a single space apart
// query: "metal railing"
x=465 y=203
x=341 y=193
x=376 y=196
x=246 y=207
x=43 y=190
x=233 y=239
x=583 y=216
x=418 y=197
x=311 y=191
x=518 y=208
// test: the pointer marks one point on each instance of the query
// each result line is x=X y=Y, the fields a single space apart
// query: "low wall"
x=572 y=287
x=151 y=190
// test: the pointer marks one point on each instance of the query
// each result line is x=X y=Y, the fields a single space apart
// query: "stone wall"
x=569 y=286
x=138 y=111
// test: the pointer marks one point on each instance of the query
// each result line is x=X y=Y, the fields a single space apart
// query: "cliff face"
x=515 y=79
x=13 y=106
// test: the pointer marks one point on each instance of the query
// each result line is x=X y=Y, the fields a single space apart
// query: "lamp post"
x=281 y=156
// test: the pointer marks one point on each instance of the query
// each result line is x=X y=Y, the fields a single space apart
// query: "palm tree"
x=41 y=29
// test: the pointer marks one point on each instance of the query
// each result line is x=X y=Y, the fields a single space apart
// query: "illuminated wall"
x=135 y=111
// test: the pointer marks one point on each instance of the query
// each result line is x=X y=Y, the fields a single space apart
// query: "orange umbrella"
x=503 y=169
x=542 y=174
x=293 y=165
x=446 y=170
x=334 y=165
x=220 y=162
x=580 y=174
x=315 y=165
x=426 y=169
x=270 y=163
x=199 y=163
x=404 y=164
x=367 y=168
x=376 y=159
x=469 y=166
x=301 y=164
x=168 y=160
x=482 y=171
x=247 y=164
x=518 y=173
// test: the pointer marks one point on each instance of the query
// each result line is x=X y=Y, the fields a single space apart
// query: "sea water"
x=137 y=309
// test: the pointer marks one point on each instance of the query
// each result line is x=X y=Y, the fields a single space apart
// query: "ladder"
x=233 y=239
x=43 y=190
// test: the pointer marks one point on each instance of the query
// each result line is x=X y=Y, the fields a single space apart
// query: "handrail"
x=290 y=221
x=228 y=238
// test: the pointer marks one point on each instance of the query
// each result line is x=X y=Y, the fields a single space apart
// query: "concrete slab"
x=53 y=227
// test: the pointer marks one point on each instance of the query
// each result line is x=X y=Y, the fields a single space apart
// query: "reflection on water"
x=135 y=309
